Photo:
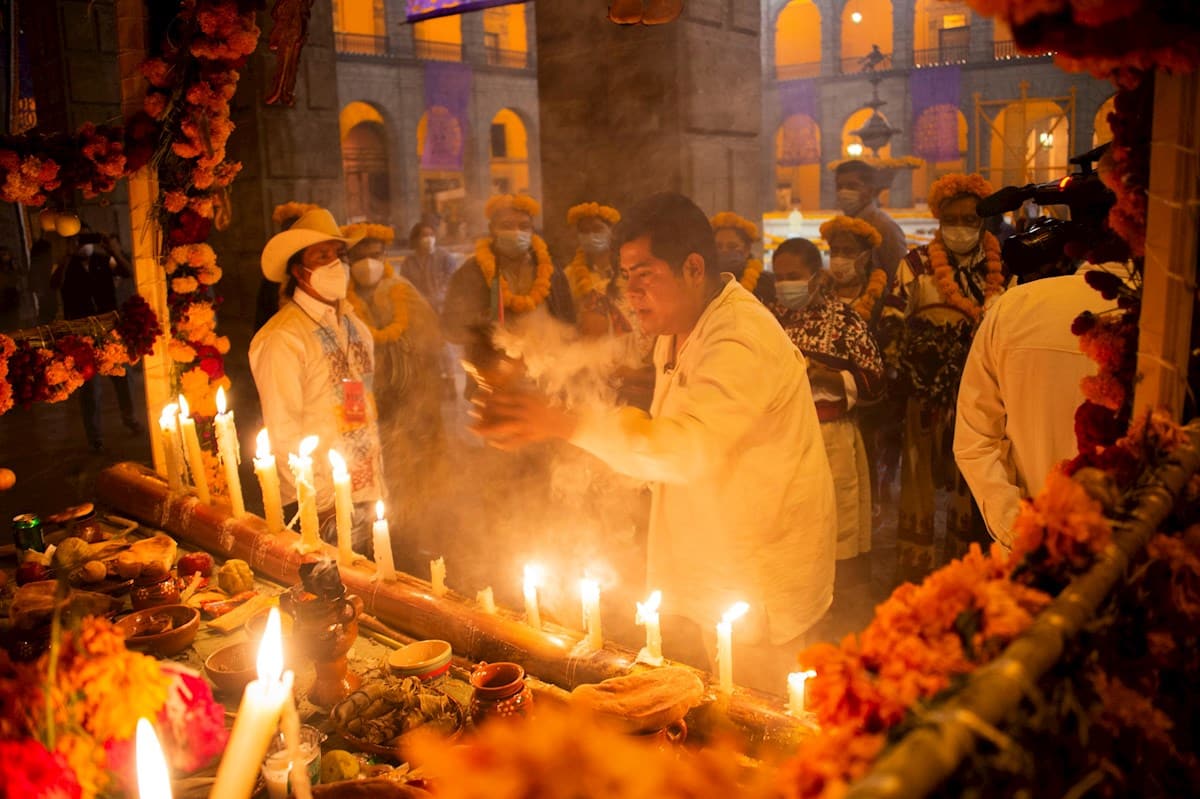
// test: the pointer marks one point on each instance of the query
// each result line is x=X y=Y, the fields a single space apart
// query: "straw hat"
x=313 y=227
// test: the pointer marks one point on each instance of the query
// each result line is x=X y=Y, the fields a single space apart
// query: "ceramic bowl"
x=165 y=630
x=231 y=668
x=423 y=659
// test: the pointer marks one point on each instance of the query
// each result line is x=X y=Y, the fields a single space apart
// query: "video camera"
x=1039 y=251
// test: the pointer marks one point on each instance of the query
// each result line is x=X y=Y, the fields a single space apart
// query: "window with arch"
x=508 y=161
x=505 y=39
x=360 y=27
x=439 y=39
x=440 y=173
x=798 y=40
x=1102 y=128
x=1030 y=143
x=365 y=164
x=798 y=164
x=866 y=25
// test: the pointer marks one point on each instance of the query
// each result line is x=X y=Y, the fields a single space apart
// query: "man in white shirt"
x=313 y=364
x=1020 y=390
x=742 y=495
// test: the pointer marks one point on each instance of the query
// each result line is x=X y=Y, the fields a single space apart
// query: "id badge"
x=354 y=402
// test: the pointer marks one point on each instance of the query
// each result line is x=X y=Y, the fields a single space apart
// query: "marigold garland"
x=750 y=276
x=582 y=278
x=943 y=275
x=291 y=210
x=516 y=202
x=369 y=230
x=732 y=221
x=853 y=226
x=399 y=295
x=956 y=184
x=538 y=292
x=864 y=306
x=605 y=213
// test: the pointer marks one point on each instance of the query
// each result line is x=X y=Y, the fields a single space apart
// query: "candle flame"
x=307 y=446
x=270 y=651
x=152 y=778
x=338 y=463
x=220 y=400
x=736 y=612
x=797 y=678
x=535 y=575
x=169 y=412
x=648 y=609
x=184 y=412
x=379 y=510
x=589 y=589
x=263 y=444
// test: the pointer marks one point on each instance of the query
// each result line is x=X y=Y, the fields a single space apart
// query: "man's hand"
x=510 y=420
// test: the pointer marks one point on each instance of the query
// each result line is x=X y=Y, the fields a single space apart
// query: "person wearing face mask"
x=735 y=236
x=513 y=259
x=314 y=366
x=428 y=267
x=795 y=263
x=946 y=287
x=858 y=189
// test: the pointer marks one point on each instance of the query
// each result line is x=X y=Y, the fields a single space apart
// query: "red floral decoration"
x=28 y=769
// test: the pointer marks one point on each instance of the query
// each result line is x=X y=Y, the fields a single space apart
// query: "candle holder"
x=326 y=626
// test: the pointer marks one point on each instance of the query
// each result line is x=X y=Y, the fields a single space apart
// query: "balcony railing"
x=1007 y=50
x=438 y=51
x=360 y=44
x=512 y=59
x=852 y=65
x=940 y=56
x=811 y=69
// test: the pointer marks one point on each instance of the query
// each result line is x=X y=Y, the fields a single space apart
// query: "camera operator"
x=1020 y=386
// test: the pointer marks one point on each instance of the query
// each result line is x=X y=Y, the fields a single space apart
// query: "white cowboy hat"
x=313 y=227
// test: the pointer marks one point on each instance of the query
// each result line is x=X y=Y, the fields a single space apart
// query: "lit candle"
x=294 y=778
x=725 y=646
x=343 y=508
x=257 y=720
x=268 y=480
x=534 y=575
x=153 y=781
x=647 y=614
x=796 y=682
x=302 y=469
x=230 y=451
x=437 y=576
x=168 y=425
x=385 y=567
x=487 y=601
x=589 y=592
x=195 y=456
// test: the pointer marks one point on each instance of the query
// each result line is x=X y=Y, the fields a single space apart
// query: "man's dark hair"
x=857 y=167
x=803 y=249
x=676 y=227
x=415 y=233
x=289 y=279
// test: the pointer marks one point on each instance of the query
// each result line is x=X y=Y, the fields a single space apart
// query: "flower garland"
x=399 y=295
x=517 y=202
x=581 y=277
x=728 y=219
x=7 y=348
x=538 y=292
x=943 y=275
x=291 y=210
x=956 y=184
x=369 y=230
x=605 y=213
x=854 y=226
x=865 y=304
x=752 y=273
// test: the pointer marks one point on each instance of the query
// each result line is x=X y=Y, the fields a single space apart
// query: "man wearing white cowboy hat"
x=314 y=363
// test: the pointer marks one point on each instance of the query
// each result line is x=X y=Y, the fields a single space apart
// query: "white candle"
x=589 y=592
x=257 y=720
x=487 y=601
x=796 y=682
x=647 y=614
x=725 y=646
x=534 y=575
x=343 y=508
x=268 y=480
x=230 y=451
x=385 y=568
x=302 y=469
x=153 y=780
x=195 y=456
x=437 y=576
x=168 y=425
x=289 y=723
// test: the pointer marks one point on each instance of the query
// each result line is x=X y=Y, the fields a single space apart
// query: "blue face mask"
x=792 y=294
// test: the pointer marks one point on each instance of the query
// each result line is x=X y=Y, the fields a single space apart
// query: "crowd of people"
x=768 y=412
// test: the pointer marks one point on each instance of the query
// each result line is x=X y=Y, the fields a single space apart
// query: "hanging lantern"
x=47 y=219
x=67 y=224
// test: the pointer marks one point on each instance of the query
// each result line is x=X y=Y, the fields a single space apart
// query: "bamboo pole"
x=925 y=757
x=408 y=604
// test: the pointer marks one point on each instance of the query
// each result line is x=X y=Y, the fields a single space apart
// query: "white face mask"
x=595 y=243
x=426 y=244
x=850 y=201
x=330 y=280
x=366 y=271
x=792 y=294
x=513 y=243
x=960 y=240
x=847 y=270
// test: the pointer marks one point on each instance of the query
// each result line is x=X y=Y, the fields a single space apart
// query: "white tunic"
x=742 y=495
x=1019 y=393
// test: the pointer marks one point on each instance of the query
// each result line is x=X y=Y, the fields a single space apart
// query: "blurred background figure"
x=735 y=236
x=429 y=267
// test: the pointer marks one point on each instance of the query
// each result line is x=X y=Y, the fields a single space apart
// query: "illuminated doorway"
x=798 y=164
x=508 y=162
x=365 y=163
x=798 y=40
x=443 y=190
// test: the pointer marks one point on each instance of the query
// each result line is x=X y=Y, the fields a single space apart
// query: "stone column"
x=287 y=154
x=472 y=39
x=981 y=49
x=399 y=32
x=630 y=110
x=903 y=21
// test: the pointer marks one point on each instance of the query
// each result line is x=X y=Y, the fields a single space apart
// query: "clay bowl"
x=423 y=659
x=165 y=630
x=231 y=668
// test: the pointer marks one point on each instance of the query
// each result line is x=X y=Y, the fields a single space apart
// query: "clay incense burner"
x=326 y=626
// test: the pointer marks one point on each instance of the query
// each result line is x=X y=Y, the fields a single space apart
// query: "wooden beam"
x=1172 y=222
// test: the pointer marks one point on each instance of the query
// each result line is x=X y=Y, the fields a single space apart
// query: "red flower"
x=210 y=361
x=188 y=228
x=29 y=771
